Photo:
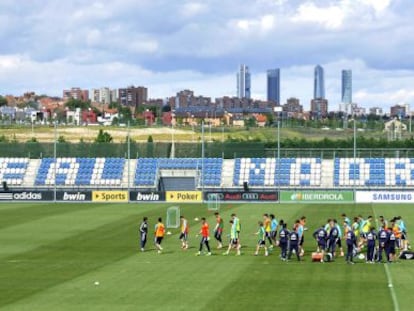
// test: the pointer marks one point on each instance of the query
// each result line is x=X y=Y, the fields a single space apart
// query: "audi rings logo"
x=242 y=196
x=215 y=196
x=250 y=196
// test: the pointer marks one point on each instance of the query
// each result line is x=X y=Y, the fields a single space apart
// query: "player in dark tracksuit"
x=351 y=243
x=370 y=237
x=294 y=243
x=143 y=231
x=320 y=236
x=333 y=239
x=283 y=240
x=382 y=243
x=391 y=246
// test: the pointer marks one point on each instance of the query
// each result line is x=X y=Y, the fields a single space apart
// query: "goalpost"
x=173 y=217
x=213 y=202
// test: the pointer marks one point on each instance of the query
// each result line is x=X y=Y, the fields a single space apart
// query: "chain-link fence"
x=225 y=150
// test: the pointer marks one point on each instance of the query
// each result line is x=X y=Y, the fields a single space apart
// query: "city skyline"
x=319 y=83
x=273 y=85
x=243 y=82
x=49 y=46
x=346 y=94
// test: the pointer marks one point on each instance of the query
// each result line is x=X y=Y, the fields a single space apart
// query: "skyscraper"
x=273 y=85
x=319 y=83
x=243 y=82
x=346 y=86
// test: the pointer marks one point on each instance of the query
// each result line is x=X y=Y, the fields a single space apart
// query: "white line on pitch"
x=387 y=273
x=391 y=287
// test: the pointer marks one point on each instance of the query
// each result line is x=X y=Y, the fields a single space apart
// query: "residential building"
x=398 y=111
x=273 y=85
x=356 y=110
x=319 y=83
x=103 y=95
x=243 y=82
x=114 y=95
x=319 y=108
x=94 y=95
x=228 y=103
x=293 y=106
x=186 y=98
x=376 y=111
x=76 y=93
x=132 y=96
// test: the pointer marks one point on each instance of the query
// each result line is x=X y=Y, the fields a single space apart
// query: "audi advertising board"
x=242 y=196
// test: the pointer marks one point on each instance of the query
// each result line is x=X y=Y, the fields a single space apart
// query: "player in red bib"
x=205 y=237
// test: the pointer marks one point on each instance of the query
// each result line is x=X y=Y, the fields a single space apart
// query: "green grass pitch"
x=51 y=255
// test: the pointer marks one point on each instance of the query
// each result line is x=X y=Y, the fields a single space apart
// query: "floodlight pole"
x=355 y=145
x=129 y=158
x=55 y=156
x=278 y=155
x=202 y=159
x=278 y=111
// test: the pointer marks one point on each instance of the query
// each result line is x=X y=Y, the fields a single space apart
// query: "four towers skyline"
x=273 y=78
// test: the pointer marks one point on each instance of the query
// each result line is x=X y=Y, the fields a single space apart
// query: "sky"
x=50 y=45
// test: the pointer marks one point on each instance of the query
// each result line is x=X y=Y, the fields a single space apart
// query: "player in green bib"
x=234 y=239
x=261 y=233
x=237 y=226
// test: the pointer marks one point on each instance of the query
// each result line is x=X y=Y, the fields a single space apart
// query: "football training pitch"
x=87 y=257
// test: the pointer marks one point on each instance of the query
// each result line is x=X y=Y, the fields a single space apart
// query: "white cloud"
x=261 y=24
x=377 y=5
x=191 y=9
x=267 y=22
x=93 y=37
x=143 y=45
x=331 y=17
x=10 y=62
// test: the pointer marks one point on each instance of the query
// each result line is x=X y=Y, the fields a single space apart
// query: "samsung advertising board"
x=384 y=197
x=252 y=196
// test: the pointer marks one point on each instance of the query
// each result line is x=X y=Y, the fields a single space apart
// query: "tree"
x=3 y=139
x=250 y=122
x=77 y=103
x=150 y=147
x=32 y=140
x=124 y=114
x=103 y=137
x=3 y=101
x=61 y=139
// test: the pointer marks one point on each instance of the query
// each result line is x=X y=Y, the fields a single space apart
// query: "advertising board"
x=309 y=196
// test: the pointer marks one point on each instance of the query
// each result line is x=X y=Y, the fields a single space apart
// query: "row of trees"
x=102 y=137
x=289 y=143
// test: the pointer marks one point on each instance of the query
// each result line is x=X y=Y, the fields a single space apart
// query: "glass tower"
x=346 y=86
x=273 y=85
x=243 y=82
x=319 y=83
